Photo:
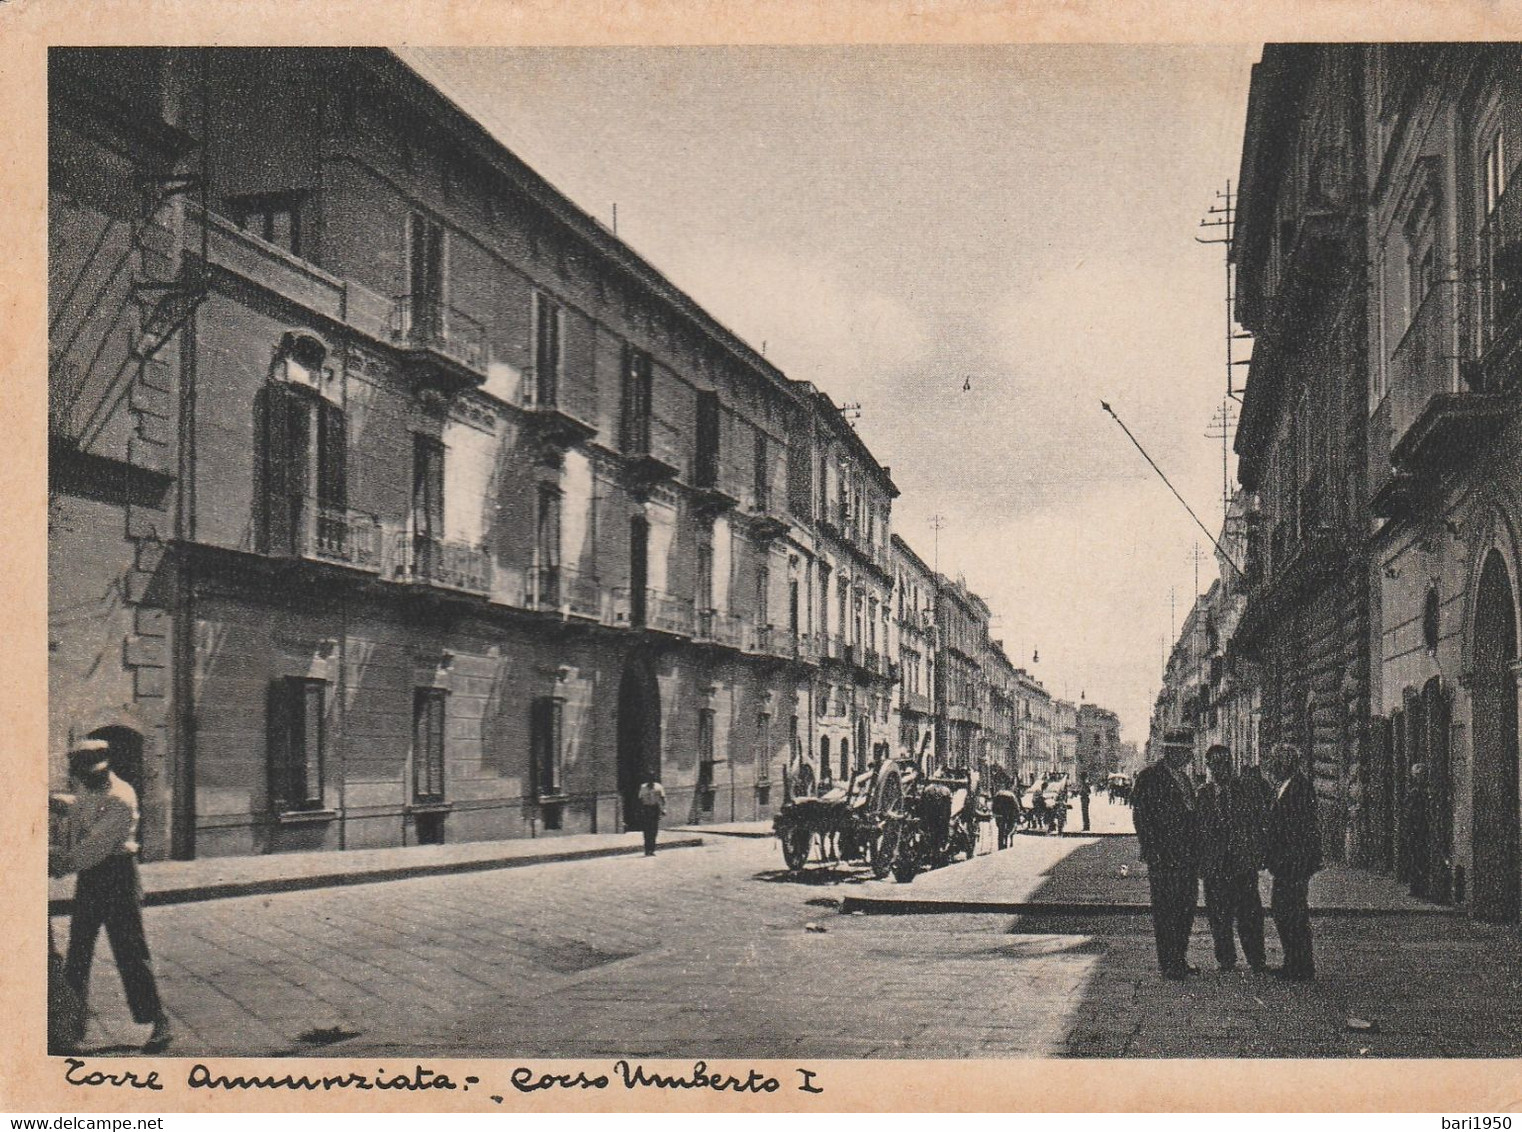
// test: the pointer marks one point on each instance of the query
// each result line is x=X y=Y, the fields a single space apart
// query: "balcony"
x=656 y=609
x=443 y=349
x=339 y=535
x=916 y=702
x=550 y=424
x=719 y=628
x=771 y=640
x=439 y=563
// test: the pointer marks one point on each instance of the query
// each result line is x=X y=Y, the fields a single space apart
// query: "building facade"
x=915 y=647
x=961 y=618
x=1440 y=802
x=474 y=521
x=1098 y=741
x=1302 y=291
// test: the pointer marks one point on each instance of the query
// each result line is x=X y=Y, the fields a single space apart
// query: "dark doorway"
x=1497 y=868
x=126 y=755
x=639 y=736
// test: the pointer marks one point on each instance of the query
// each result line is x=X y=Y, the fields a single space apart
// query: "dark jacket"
x=1294 y=833
x=1167 y=826
x=1233 y=820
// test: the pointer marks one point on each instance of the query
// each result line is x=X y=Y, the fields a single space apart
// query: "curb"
x=880 y=906
x=191 y=894
x=709 y=831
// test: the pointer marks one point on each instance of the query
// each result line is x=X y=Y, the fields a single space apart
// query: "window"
x=547 y=546
x=763 y=749
x=1421 y=260
x=704 y=594
x=763 y=586
x=841 y=624
x=274 y=217
x=427 y=506
x=305 y=473
x=824 y=749
x=793 y=612
x=639 y=568
x=823 y=628
x=845 y=760
x=424 y=302
x=549 y=321
x=428 y=745
x=545 y=746
x=1500 y=223
x=636 y=406
x=705 y=470
x=761 y=473
x=296 y=735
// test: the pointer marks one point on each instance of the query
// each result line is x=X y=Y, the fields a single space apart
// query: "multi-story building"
x=395 y=500
x=1035 y=727
x=853 y=591
x=915 y=646
x=1098 y=741
x=961 y=618
x=1065 y=728
x=1302 y=288
x=1001 y=717
x=1444 y=338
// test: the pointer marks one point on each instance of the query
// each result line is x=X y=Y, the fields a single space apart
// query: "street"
x=717 y=952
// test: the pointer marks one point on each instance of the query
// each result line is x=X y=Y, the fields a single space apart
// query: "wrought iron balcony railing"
x=423 y=323
x=441 y=563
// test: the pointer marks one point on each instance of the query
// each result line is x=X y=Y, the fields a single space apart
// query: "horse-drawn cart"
x=894 y=818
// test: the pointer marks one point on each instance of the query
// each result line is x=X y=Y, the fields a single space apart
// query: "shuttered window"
x=296 y=737
x=548 y=327
x=428 y=744
x=706 y=462
x=545 y=722
x=636 y=402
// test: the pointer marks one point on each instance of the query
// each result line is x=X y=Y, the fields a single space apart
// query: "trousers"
x=1174 y=893
x=652 y=828
x=1234 y=908
x=110 y=894
x=1290 y=901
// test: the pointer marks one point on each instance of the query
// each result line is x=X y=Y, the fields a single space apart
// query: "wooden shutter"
x=428 y=745
x=332 y=457
x=287 y=448
x=706 y=466
x=546 y=351
x=313 y=740
x=279 y=741
x=544 y=743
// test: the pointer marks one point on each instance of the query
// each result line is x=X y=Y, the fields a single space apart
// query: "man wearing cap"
x=99 y=842
x=1167 y=834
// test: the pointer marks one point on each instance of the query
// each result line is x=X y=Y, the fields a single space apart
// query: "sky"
x=977 y=245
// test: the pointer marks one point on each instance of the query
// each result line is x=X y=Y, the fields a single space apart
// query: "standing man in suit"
x=1294 y=856
x=1233 y=821
x=1167 y=834
x=99 y=842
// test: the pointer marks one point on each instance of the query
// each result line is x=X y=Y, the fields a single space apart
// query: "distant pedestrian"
x=652 y=800
x=1006 y=808
x=1233 y=821
x=1415 y=851
x=1083 y=799
x=1167 y=835
x=1294 y=856
x=98 y=841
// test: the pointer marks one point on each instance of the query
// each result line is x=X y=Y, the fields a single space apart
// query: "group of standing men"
x=1226 y=832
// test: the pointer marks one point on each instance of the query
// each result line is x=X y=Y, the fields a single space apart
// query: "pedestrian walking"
x=652 y=800
x=1233 y=821
x=1167 y=835
x=1083 y=800
x=98 y=841
x=1294 y=856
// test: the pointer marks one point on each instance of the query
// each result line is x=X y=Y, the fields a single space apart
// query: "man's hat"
x=1179 y=737
x=89 y=756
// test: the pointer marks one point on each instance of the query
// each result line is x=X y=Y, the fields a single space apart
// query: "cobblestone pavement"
x=709 y=952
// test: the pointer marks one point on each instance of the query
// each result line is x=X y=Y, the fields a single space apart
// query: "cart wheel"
x=885 y=847
x=795 y=847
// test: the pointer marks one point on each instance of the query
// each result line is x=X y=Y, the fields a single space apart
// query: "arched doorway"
x=1497 y=867
x=125 y=755
x=639 y=735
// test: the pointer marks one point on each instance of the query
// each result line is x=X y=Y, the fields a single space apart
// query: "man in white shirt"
x=652 y=799
x=98 y=841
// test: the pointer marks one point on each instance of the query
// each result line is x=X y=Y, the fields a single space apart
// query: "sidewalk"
x=1080 y=874
x=730 y=829
x=211 y=878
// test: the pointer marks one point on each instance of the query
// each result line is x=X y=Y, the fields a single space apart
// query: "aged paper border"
x=31 y=1082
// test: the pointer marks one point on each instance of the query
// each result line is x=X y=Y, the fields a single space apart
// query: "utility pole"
x=1221 y=426
x=1222 y=216
x=936 y=523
